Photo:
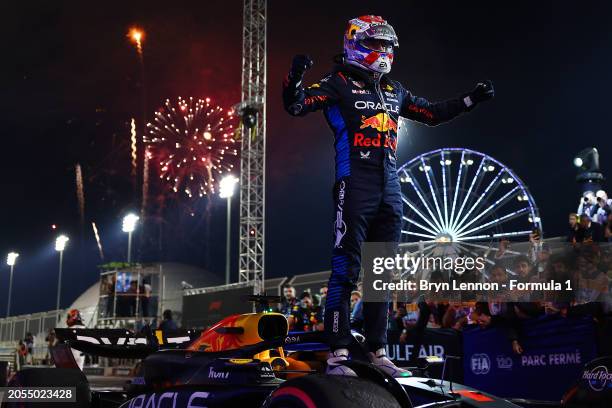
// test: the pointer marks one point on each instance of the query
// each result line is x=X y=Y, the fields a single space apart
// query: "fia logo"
x=480 y=364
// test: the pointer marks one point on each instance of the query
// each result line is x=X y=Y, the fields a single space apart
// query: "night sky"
x=71 y=82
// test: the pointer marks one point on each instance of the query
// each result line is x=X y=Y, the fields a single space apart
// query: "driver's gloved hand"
x=299 y=65
x=483 y=92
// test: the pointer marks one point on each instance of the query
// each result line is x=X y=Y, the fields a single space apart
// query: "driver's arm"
x=299 y=101
x=432 y=113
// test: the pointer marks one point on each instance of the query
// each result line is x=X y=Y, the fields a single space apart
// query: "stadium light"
x=129 y=222
x=60 y=246
x=227 y=186
x=11 y=258
x=60 y=243
x=129 y=225
x=226 y=190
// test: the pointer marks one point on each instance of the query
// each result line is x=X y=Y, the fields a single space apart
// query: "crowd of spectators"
x=304 y=313
x=583 y=262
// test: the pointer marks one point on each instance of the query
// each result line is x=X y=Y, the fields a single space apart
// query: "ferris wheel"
x=461 y=195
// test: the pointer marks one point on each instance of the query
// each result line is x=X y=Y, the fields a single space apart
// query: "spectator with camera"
x=587 y=205
x=601 y=210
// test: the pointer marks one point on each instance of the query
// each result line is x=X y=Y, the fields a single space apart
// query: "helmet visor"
x=379 y=32
x=377 y=45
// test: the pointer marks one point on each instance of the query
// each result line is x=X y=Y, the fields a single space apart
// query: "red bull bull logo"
x=381 y=122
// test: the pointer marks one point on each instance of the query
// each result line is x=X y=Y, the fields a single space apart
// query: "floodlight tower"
x=252 y=110
x=11 y=259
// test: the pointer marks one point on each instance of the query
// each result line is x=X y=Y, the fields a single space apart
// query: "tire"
x=53 y=377
x=321 y=391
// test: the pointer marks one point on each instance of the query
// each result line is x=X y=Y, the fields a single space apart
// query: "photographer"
x=586 y=205
x=601 y=210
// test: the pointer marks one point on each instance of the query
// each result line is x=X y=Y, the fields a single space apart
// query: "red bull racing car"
x=243 y=361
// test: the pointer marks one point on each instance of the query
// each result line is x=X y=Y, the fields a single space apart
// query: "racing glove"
x=483 y=92
x=299 y=65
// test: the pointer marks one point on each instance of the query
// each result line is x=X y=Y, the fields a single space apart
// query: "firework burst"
x=192 y=142
x=80 y=192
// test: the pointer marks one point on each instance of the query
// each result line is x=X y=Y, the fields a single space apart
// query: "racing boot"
x=333 y=363
x=380 y=360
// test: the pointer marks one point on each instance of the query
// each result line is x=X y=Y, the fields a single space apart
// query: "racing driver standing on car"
x=362 y=107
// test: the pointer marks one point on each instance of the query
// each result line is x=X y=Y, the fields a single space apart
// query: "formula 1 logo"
x=597 y=378
x=480 y=364
x=339 y=224
x=215 y=305
x=381 y=122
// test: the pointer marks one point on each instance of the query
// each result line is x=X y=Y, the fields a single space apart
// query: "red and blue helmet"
x=369 y=42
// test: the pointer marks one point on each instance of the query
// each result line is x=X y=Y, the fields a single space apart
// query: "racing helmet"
x=73 y=318
x=369 y=42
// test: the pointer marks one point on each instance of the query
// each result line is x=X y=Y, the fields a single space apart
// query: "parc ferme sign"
x=554 y=348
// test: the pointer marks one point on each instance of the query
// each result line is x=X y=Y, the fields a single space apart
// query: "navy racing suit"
x=367 y=197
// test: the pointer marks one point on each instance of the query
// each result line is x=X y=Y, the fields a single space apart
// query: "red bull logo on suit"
x=381 y=122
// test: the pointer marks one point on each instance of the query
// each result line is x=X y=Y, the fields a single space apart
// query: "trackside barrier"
x=555 y=349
